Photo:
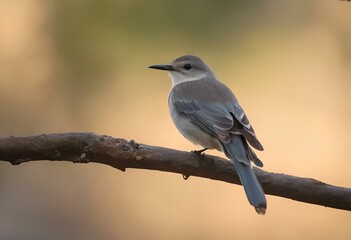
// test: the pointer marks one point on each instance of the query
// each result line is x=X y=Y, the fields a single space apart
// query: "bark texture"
x=122 y=154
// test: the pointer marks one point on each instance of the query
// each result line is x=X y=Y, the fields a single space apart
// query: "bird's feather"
x=213 y=107
x=254 y=192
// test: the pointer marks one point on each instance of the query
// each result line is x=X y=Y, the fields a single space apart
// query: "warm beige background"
x=82 y=66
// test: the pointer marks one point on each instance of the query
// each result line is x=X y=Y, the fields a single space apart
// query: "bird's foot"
x=200 y=152
x=204 y=162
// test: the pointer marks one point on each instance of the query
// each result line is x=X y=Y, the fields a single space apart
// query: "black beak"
x=162 y=67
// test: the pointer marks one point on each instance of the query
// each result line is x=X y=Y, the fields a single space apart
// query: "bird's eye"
x=187 y=66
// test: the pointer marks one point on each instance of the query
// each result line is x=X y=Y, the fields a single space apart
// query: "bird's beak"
x=162 y=67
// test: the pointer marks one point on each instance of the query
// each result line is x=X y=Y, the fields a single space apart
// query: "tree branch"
x=121 y=154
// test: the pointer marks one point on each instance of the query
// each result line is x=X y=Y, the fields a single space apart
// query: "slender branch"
x=121 y=154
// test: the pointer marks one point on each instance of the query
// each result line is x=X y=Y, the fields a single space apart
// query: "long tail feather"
x=239 y=156
x=253 y=189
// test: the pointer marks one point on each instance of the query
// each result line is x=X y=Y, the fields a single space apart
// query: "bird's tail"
x=239 y=153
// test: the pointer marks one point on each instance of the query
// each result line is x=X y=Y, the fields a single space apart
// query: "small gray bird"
x=207 y=113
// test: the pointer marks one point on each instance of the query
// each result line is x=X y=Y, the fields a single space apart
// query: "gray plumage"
x=207 y=113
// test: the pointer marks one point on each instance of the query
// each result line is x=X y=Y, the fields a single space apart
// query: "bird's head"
x=186 y=68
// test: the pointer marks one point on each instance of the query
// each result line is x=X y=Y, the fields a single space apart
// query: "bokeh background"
x=74 y=65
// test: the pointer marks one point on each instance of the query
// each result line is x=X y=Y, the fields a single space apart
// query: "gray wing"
x=213 y=118
x=218 y=113
x=216 y=121
x=243 y=126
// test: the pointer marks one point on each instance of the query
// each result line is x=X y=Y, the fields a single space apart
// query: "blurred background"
x=74 y=65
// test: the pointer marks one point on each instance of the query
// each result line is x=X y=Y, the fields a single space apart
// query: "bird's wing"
x=212 y=118
x=213 y=107
x=243 y=126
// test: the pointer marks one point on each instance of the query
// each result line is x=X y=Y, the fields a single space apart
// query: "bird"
x=207 y=113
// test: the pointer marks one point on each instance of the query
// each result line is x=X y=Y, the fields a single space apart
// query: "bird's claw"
x=200 y=152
